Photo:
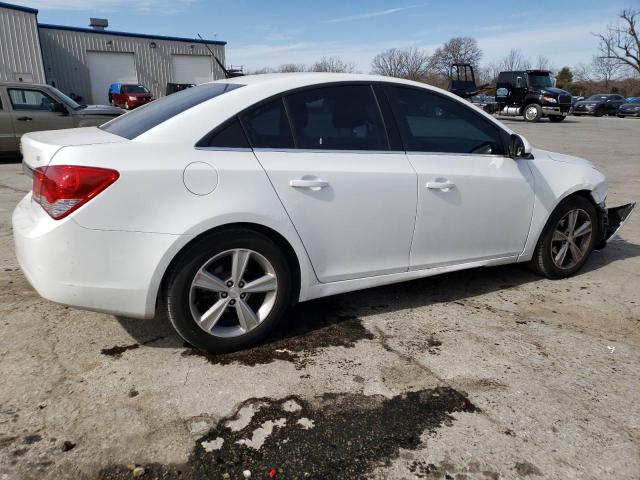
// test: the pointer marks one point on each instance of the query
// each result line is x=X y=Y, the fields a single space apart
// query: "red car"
x=129 y=95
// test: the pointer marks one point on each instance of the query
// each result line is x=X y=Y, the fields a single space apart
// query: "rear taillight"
x=61 y=189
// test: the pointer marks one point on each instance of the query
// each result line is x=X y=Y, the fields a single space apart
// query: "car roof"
x=24 y=84
x=201 y=118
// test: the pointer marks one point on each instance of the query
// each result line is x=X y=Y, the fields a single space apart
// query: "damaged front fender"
x=612 y=220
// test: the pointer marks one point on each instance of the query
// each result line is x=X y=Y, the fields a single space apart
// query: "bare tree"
x=411 y=63
x=515 y=60
x=543 y=63
x=456 y=50
x=262 y=70
x=292 y=67
x=621 y=42
x=332 y=64
x=605 y=69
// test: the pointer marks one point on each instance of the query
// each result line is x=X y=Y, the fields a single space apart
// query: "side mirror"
x=519 y=147
x=59 y=108
x=518 y=82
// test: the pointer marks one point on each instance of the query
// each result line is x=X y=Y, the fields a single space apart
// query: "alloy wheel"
x=233 y=293
x=571 y=239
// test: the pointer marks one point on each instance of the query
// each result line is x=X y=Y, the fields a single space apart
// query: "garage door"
x=191 y=69
x=106 y=68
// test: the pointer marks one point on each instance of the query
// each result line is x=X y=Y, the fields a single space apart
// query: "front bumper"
x=628 y=113
x=556 y=110
x=611 y=221
x=104 y=271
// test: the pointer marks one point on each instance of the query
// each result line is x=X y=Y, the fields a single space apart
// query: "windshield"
x=540 y=80
x=69 y=102
x=135 y=123
x=134 y=89
x=633 y=100
x=598 y=98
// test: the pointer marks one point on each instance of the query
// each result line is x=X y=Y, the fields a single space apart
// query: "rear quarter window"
x=143 y=119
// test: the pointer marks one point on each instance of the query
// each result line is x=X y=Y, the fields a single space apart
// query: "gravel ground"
x=487 y=373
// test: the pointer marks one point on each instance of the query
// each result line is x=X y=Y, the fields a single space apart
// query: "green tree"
x=564 y=79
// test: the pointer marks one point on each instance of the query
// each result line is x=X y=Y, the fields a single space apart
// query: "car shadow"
x=335 y=320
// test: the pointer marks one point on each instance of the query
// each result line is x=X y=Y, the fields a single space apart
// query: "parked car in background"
x=599 y=105
x=222 y=205
x=30 y=107
x=129 y=95
x=630 y=109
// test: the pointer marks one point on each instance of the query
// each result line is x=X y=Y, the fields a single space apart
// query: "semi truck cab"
x=532 y=94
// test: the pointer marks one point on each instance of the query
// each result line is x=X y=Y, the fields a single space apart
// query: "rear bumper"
x=612 y=220
x=106 y=271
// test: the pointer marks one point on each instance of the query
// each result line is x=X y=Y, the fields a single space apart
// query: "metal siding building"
x=68 y=54
x=20 y=57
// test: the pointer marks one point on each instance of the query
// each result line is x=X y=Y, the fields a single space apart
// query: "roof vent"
x=98 y=23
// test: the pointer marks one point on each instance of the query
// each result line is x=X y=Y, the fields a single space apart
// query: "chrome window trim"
x=225 y=149
x=413 y=153
x=326 y=150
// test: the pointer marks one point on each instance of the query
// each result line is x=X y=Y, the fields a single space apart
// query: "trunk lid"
x=38 y=148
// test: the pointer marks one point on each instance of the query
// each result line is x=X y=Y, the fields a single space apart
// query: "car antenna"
x=227 y=73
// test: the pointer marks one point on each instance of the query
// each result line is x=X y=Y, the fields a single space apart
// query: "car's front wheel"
x=228 y=290
x=567 y=240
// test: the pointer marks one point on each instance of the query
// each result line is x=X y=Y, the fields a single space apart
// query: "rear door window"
x=343 y=117
x=143 y=119
x=267 y=126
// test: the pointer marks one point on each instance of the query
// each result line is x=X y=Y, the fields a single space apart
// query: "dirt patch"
x=306 y=329
x=333 y=436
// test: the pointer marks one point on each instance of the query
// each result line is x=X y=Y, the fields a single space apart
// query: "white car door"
x=350 y=198
x=474 y=201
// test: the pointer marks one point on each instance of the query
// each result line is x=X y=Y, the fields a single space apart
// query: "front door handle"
x=25 y=119
x=444 y=186
x=312 y=184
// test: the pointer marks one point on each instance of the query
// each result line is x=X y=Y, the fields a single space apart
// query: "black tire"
x=178 y=286
x=556 y=118
x=598 y=113
x=538 y=112
x=542 y=261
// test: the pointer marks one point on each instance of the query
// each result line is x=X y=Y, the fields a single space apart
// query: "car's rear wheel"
x=228 y=291
x=556 y=118
x=567 y=240
x=532 y=112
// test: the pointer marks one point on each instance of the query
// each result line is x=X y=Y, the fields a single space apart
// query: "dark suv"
x=599 y=105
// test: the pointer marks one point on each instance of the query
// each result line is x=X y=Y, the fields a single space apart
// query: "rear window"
x=143 y=119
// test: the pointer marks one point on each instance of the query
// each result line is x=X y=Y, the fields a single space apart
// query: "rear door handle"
x=312 y=184
x=444 y=186
x=25 y=119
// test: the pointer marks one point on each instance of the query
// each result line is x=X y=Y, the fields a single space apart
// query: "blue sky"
x=270 y=33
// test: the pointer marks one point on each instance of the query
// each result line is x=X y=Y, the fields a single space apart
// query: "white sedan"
x=224 y=204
